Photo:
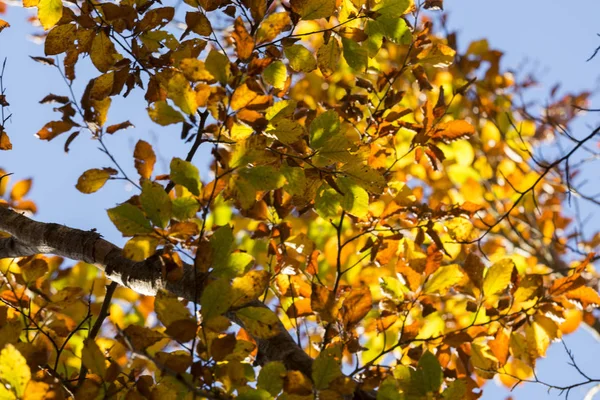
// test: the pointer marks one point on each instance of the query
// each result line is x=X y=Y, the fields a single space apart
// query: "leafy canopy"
x=372 y=192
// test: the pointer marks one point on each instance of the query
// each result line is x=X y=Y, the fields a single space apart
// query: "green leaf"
x=285 y=130
x=49 y=12
x=326 y=367
x=365 y=176
x=498 y=277
x=296 y=179
x=376 y=32
x=392 y=8
x=313 y=9
x=301 y=59
x=327 y=203
x=355 y=200
x=389 y=390
x=218 y=65
x=216 y=299
x=163 y=114
x=442 y=279
x=255 y=394
x=395 y=29
x=260 y=322
x=222 y=243
x=324 y=127
x=276 y=74
x=271 y=377
x=129 y=220
x=432 y=374
x=236 y=264
x=263 y=177
x=185 y=174
x=456 y=390
x=184 y=208
x=356 y=56
x=156 y=203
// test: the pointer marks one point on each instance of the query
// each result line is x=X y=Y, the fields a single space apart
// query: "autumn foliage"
x=374 y=198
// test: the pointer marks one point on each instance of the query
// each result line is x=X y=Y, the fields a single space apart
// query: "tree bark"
x=29 y=237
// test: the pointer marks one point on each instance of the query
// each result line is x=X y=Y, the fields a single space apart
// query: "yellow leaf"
x=539 y=334
x=498 y=277
x=328 y=57
x=103 y=53
x=514 y=369
x=244 y=96
x=49 y=12
x=93 y=179
x=14 y=371
x=195 y=70
x=313 y=9
x=437 y=54
x=139 y=248
x=443 y=279
x=182 y=94
x=460 y=229
x=169 y=309
x=163 y=114
x=249 y=287
x=483 y=359
x=93 y=358
x=3 y=25
x=272 y=26
x=20 y=189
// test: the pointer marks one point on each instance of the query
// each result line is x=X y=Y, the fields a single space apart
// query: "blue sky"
x=556 y=37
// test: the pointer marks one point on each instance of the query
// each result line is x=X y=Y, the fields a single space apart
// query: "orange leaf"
x=20 y=189
x=244 y=44
x=453 y=130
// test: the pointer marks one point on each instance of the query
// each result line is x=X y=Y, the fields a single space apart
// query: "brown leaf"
x=356 y=306
x=123 y=125
x=244 y=44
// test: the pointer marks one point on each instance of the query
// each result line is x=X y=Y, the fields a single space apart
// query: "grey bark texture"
x=29 y=237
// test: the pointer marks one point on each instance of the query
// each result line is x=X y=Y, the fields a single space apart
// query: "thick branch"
x=31 y=237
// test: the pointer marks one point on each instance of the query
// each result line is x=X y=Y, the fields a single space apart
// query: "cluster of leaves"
x=364 y=186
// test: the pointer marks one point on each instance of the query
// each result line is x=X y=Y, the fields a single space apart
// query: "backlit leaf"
x=326 y=367
x=93 y=358
x=249 y=287
x=156 y=203
x=138 y=248
x=144 y=159
x=276 y=74
x=129 y=220
x=169 y=309
x=272 y=26
x=49 y=12
x=356 y=56
x=300 y=58
x=313 y=9
x=498 y=277
x=14 y=371
x=216 y=299
x=328 y=57
x=185 y=174
x=443 y=279
x=260 y=322
x=356 y=306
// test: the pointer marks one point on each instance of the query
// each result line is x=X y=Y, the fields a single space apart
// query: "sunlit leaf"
x=129 y=220
x=92 y=180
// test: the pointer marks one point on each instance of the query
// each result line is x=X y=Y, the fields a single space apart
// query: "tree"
x=376 y=219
